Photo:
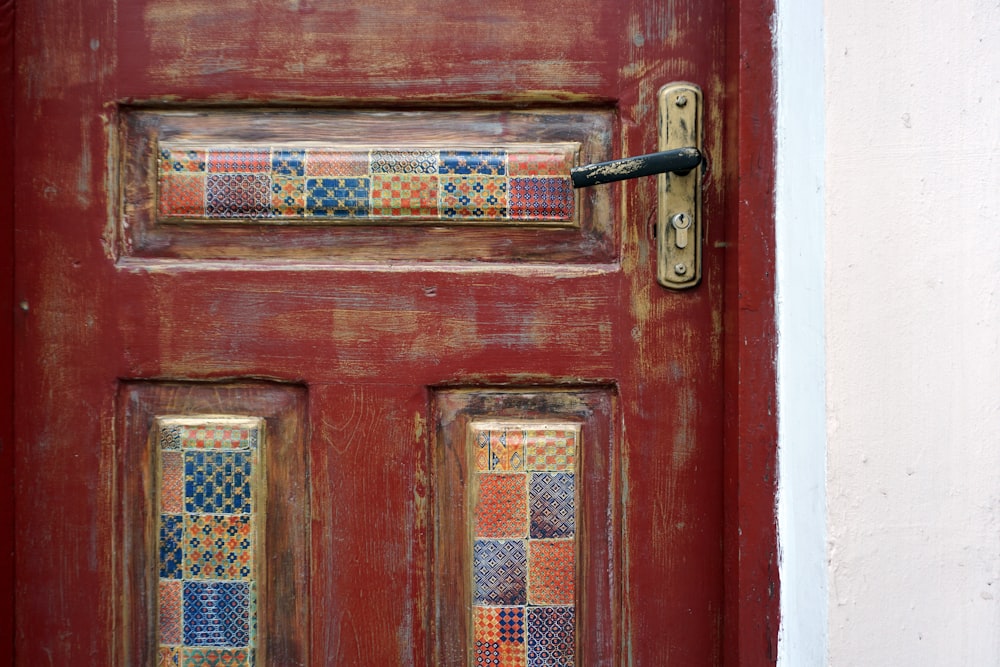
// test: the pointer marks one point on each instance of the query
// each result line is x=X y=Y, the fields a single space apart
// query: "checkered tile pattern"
x=404 y=195
x=288 y=162
x=536 y=164
x=550 y=449
x=524 y=547
x=207 y=549
x=499 y=636
x=209 y=435
x=327 y=183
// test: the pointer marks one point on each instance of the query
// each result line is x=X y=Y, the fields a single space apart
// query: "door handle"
x=678 y=161
x=678 y=224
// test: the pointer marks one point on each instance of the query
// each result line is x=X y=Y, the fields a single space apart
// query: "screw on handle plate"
x=678 y=160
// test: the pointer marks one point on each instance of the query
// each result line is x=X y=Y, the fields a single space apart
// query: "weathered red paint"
x=6 y=331
x=752 y=585
x=694 y=371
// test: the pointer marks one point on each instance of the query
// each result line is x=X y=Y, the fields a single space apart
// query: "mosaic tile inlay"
x=513 y=185
x=524 y=543
x=207 y=525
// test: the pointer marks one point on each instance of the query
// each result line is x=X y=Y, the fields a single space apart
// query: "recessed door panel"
x=215 y=523
x=335 y=186
x=527 y=526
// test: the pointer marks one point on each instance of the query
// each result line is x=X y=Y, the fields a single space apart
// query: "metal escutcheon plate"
x=679 y=223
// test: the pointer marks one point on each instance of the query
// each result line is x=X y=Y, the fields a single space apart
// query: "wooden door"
x=279 y=405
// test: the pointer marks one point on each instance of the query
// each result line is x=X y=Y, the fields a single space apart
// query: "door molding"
x=7 y=332
x=751 y=614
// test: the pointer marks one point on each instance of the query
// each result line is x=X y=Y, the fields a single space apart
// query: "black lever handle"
x=680 y=160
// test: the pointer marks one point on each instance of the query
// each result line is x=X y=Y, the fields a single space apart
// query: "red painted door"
x=319 y=360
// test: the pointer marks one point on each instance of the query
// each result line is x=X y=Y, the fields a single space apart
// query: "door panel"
x=213 y=510
x=203 y=226
x=385 y=344
x=527 y=494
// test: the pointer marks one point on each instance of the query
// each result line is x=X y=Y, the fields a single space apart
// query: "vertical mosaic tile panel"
x=208 y=494
x=503 y=185
x=524 y=544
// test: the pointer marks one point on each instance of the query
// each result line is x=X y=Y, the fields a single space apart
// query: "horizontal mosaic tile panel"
x=524 y=544
x=208 y=487
x=274 y=183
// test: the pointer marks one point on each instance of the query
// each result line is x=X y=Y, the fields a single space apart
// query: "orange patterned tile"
x=502 y=507
x=551 y=572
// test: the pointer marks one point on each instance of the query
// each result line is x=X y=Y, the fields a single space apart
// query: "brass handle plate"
x=679 y=220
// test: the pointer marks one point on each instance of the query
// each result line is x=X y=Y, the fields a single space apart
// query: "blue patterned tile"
x=337 y=197
x=551 y=637
x=216 y=613
x=217 y=482
x=288 y=162
x=489 y=162
x=171 y=537
x=551 y=502
x=500 y=569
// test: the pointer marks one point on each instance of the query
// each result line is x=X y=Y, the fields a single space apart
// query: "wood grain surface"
x=360 y=334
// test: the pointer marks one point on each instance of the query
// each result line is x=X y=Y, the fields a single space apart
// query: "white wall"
x=911 y=199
